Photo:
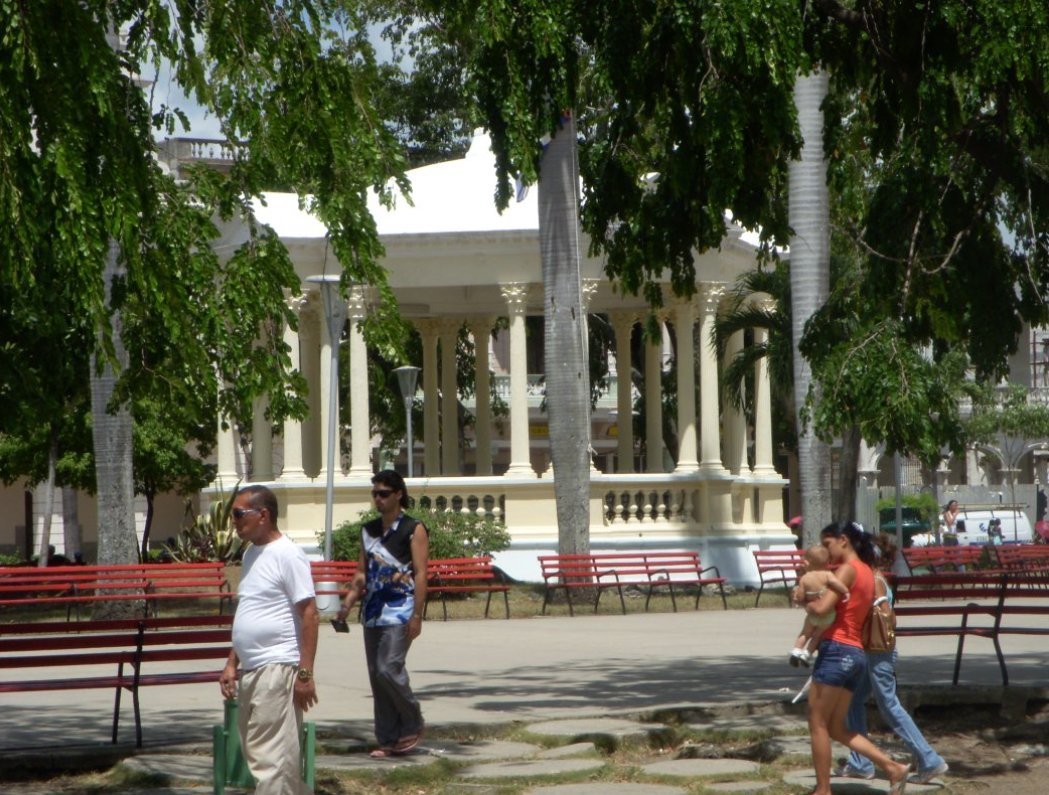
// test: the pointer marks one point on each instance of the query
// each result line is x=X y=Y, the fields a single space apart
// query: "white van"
x=1016 y=527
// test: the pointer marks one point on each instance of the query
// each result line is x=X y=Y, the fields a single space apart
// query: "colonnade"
x=712 y=438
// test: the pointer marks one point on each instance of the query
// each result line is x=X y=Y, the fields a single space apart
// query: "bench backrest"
x=460 y=569
x=943 y=557
x=1028 y=557
x=640 y=564
x=782 y=562
x=119 y=641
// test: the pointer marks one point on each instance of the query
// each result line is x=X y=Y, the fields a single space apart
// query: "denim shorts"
x=839 y=665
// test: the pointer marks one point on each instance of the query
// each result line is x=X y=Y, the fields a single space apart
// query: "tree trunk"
x=567 y=374
x=147 y=525
x=809 y=210
x=850 y=475
x=71 y=523
x=112 y=437
x=49 y=499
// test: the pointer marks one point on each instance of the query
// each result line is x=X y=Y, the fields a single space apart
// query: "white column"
x=709 y=385
x=684 y=321
x=226 y=457
x=735 y=421
x=516 y=297
x=481 y=331
x=763 y=466
x=311 y=317
x=325 y=391
x=293 y=428
x=360 y=421
x=261 y=441
x=623 y=325
x=431 y=422
x=654 y=404
x=449 y=337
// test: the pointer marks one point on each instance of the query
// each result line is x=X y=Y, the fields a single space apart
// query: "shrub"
x=209 y=537
x=924 y=502
x=11 y=560
x=452 y=534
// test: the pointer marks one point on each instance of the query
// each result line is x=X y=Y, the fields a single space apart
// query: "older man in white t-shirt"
x=274 y=644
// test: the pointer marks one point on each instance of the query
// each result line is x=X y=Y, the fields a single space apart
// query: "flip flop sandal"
x=383 y=753
x=900 y=787
x=407 y=743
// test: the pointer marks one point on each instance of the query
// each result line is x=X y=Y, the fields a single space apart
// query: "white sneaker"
x=800 y=657
x=848 y=771
x=925 y=776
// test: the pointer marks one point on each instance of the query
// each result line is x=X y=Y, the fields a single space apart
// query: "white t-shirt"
x=275 y=577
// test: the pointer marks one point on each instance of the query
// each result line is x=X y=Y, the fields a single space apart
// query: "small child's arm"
x=837 y=585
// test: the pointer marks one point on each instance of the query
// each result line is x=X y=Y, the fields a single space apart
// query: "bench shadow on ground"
x=532 y=691
x=622 y=685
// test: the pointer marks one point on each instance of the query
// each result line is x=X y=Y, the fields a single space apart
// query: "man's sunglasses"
x=240 y=513
x=384 y=493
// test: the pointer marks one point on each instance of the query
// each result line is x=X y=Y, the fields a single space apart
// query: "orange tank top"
x=847 y=627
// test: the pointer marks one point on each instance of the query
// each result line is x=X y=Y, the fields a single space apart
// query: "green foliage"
x=925 y=503
x=453 y=534
x=1007 y=420
x=291 y=83
x=10 y=560
x=209 y=537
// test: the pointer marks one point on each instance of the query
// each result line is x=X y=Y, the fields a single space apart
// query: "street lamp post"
x=406 y=377
x=335 y=315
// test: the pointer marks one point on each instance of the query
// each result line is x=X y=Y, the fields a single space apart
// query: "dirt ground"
x=987 y=753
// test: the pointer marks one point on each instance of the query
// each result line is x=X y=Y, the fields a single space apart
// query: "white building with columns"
x=453 y=260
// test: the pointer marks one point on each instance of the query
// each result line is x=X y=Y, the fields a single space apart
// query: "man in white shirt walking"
x=274 y=644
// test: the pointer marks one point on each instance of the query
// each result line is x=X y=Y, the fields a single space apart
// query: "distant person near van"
x=950 y=516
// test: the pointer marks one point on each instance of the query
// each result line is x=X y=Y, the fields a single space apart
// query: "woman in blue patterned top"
x=391 y=576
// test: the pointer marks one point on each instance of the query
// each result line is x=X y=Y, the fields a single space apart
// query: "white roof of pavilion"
x=449 y=249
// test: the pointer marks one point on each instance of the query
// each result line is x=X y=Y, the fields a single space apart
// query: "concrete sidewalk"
x=496 y=671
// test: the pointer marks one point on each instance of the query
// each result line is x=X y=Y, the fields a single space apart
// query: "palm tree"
x=567 y=369
x=112 y=432
x=809 y=212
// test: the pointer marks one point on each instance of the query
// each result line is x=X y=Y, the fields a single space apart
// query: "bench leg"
x=138 y=717
x=1001 y=661
x=760 y=589
x=506 y=603
x=958 y=658
x=487 y=604
x=116 y=713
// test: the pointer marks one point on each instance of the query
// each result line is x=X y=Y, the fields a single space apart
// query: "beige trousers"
x=270 y=729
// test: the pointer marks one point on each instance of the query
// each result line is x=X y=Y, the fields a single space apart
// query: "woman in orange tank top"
x=841 y=663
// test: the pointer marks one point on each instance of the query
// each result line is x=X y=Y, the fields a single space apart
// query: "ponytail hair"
x=861 y=541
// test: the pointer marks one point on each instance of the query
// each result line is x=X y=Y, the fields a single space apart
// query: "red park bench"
x=600 y=571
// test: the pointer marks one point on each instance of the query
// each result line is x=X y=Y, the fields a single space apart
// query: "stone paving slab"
x=751 y=723
x=616 y=728
x=606 y=788
x=532 y=769
x=175 y=766
x=701 y=767
x=740 y=786
x=573 y=749
x=792 y=746
x=852 y=786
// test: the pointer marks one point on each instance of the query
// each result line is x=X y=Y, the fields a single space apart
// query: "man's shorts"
x=839 y=665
